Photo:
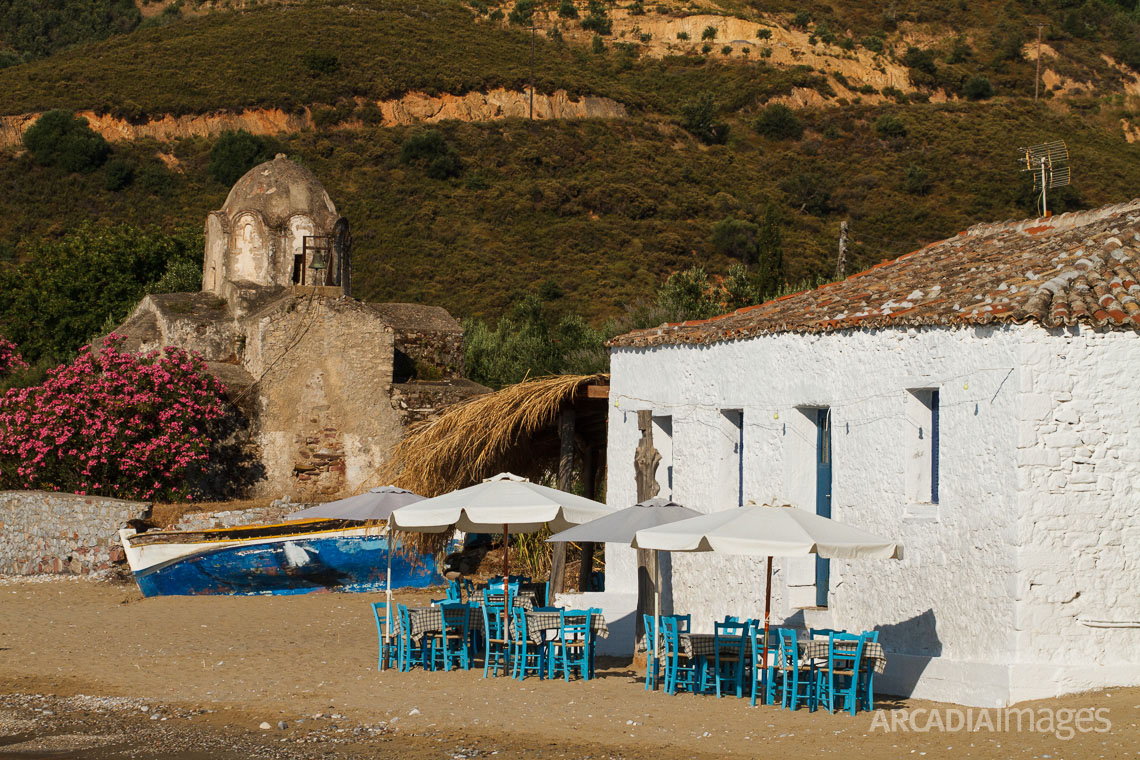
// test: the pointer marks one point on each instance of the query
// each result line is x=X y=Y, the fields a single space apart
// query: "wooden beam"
x=597 y=391
x=645 y=462
x=565 y=481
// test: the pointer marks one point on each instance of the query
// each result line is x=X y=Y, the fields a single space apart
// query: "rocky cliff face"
x=409 y=109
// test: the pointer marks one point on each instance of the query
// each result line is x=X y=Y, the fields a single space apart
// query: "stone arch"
x=248 y=255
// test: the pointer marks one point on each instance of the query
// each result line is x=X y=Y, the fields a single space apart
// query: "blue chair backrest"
x=493 y=620
x=871 y=636
x=454 y=615
x=822 y=632
x=684 y=623
x=844 y=650
x=730 y=634
x=731 y=619
x=405 y=619
x=575 y=625
x=518 y=623
x=380 y=610
x=789 y=649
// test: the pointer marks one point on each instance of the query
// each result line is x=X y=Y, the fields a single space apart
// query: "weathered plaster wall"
x=1078 y=608
x=235 y=517
x=44 y=532
x=945 y=612
x=325 y=420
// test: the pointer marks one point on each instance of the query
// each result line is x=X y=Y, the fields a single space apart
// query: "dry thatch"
x=513 y=430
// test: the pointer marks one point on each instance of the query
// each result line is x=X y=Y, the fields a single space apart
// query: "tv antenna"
x=1048 y=163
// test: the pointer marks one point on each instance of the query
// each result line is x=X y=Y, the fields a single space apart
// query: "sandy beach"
x=213 y=669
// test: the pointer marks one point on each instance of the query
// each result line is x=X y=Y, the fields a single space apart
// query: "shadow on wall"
x=917 y=637
x=235 y=465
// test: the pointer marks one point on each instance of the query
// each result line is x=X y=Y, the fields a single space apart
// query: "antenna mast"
x=1047 y=162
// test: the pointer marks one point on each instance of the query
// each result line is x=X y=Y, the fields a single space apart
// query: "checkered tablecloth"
x=538 y=623
x=704 y=645
x=430 y=620
x=524 y=599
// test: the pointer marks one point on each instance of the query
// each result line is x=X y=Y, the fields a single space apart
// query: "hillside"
x=884 y=137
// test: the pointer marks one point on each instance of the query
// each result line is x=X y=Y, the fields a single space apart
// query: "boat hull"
x=287 y=565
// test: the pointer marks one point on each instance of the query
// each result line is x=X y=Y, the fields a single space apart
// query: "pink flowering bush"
x=116 y=423
x=10 y=359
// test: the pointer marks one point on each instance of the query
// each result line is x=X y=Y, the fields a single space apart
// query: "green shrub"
x=688 y=295
x=888 y=125
x=709 y=33
x=522 y=13
x=554 y=34
x=960 y=51
x=370 y=113
x=60 y=139
x=118 y=174
x=567 y=9
x=37 y=28
x=874 y=44
x=598 y=45
x=637 y=9
x=978 y=87
x=919 y=60
x=497 y=15
x=235 y=153
x=916 y=180
x=726 y=50
x=320 y=62
x=598 y=24
x=698 y=117
x=735 y=238
x=431 y=150
x=683 y=36
x=763 y=33
x=778 y=122
x=706 y=48
x=802 y=19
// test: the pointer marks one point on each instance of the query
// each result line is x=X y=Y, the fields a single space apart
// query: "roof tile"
x=1077 y=267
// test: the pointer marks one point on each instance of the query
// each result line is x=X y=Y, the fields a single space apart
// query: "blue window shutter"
x=934 y=447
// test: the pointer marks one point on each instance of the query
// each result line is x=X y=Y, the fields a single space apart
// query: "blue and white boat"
x=287 y=558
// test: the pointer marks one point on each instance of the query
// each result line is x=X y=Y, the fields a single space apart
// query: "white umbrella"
x=768 y=531
x=506 y=503
x=621 y=527
x=374 y=504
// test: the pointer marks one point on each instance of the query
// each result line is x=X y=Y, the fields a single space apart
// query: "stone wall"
x=273 y=513
x=1078 y=610
x=62 y=533
x=946 y=611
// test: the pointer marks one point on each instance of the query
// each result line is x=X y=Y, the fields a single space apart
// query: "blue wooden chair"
x=526 y=655
x=496 y=645
x=573 y=647
x=729 y=639
x=681 y=671
x=496 y=589
x=386 y=632
x=454 y=639
x=795 y=679
x=762 y=672
x=839 y=683
x=867 y=673
x=412 y=652
x=822 y=633
x=653 y=656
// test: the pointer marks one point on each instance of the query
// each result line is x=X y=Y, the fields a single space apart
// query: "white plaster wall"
x=951 y=598
x=248 y=251
x=299 y=227
x=1078 y=591
x=213 y=263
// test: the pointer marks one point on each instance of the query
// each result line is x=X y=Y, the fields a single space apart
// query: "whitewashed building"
x=978 y=400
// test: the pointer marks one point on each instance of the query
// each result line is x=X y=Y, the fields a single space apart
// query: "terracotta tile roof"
x=1078 y=267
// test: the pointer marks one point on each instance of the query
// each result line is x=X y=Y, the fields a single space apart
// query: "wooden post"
x=1037 y=78
x=645 y=461
x=565 y=481
x=589 y=486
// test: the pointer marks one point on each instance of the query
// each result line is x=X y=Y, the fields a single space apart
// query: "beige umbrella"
x=768 y=531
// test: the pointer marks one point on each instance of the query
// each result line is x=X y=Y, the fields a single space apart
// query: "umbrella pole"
x=767 y=613
x=388 y=594
x=656 y=614
x=506 y=586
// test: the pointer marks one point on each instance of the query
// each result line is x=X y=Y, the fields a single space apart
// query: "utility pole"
x=1037 y=80
x=841 y=264
x=532 y=12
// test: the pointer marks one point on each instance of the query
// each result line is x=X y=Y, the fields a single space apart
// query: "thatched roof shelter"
x=544 y=429
x=514 y=430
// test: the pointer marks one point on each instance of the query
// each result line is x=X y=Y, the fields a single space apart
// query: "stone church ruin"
x=328 y=384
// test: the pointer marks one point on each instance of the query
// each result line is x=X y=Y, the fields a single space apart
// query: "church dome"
x=279 y=189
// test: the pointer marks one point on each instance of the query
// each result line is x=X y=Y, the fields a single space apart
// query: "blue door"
x=822 y=496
